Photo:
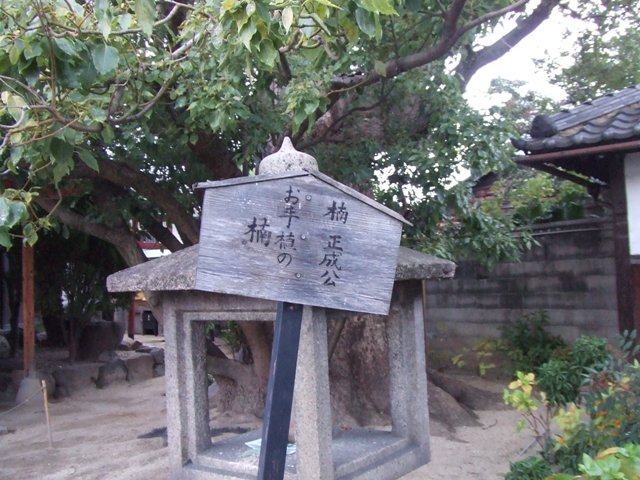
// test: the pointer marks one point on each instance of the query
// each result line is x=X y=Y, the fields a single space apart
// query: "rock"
x=128 y=344
x=158 y=355
x=107 y=357
x=158 y=370
x=139 y=366
x=98 y=337
x=111 y=372
x=30 y=391
x=7 y=388
x=446 y=409
x=5 y=349
x=144 y=349
x=4 y=430
x=71 y=378
x=49 y=381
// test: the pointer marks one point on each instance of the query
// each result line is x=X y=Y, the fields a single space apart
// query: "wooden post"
x=277 y=413
x=621 y=245
x=29 y=332
x=131 y=323
x=46 y=411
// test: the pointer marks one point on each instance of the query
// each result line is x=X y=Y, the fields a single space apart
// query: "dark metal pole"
x=277 y=412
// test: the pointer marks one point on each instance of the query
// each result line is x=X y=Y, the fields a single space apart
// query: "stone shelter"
x=321 y=452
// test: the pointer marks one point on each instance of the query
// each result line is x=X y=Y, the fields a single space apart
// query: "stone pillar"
x=312 y=405
x=407 y=365
x=186 y=386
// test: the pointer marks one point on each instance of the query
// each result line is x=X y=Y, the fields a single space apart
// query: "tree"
x=71 y=271
x=605 y=56
x=111 y=110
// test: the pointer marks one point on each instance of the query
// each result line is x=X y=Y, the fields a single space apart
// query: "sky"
x=518 y=64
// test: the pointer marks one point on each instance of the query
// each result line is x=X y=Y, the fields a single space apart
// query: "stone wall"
x=571 y=275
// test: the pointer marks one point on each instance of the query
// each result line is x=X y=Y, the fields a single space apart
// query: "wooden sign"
x=300 y=238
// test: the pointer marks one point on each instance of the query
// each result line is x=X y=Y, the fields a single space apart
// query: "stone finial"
x=287 y=159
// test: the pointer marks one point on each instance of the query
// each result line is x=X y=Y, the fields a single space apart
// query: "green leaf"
x=64 y=48
x=5 y=238
x=247 y=34
x=61 y=170
x=350 y=29
x=287 y=18
x=328 y=4
x=87 y=74
x=366 y=22
x=107 y=134
x=146 y=15
x=228 y=4
x=15 y=51
x=104 y=16
x=32 y=50
x=60 y=150
x=379 y=6
x=380 y=68
x=11 y=213
x=124 y=21
x=268 y=54
x=15 y=104
x=316 y=18
x=30 y=234
x=87 y=157
x=105 y=59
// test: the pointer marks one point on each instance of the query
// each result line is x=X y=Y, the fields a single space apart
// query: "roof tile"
x=612 y=117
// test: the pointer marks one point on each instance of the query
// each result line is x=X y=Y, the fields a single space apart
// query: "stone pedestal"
x=321 y=453
x=357 y=454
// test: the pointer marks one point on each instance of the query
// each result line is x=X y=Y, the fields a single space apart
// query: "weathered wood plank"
x=299 y=240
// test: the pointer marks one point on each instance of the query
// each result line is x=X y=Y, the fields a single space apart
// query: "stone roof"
x=611 y=118
x=178 y=271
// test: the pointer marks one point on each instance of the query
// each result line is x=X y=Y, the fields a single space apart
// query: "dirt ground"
x=109 y=434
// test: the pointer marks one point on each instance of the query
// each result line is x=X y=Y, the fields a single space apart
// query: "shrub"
x=616 y=463
x=609 y=415
x=531 y=468
x=560 y=380
x=527 y=344
x=590 y=352
x=606 y=420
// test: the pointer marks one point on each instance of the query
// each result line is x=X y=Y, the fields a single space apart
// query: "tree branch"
x=450 y=35
x=125 y=242
x=123 y=175
x=476 y=60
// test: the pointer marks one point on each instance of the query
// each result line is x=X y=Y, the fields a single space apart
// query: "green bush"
x=527 y=344
x=590 y=352
x=531 y=468
x=560 y=380
x=609 y=414
x=616 y=463
x=599 y=434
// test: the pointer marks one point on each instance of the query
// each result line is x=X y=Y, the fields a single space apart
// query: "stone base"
x=359 y=454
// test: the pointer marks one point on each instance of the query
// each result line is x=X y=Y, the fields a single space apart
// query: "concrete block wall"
x=571 y=275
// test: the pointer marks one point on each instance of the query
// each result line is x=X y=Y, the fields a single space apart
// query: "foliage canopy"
x=110 y=111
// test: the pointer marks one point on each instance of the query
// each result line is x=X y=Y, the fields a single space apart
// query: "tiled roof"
x=611 y=118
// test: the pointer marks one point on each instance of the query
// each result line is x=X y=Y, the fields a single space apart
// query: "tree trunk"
x=242 y=387
x=12 y=274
